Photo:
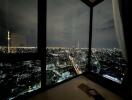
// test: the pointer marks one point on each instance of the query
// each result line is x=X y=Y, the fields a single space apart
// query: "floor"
x=70 y=91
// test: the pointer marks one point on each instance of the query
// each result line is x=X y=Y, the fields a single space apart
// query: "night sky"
x=20 y=18
x=68 y=23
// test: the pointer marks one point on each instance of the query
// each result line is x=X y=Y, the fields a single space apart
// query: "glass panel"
x=18 y=26
x=67 y=39
x=107 y=58
x=18 y=78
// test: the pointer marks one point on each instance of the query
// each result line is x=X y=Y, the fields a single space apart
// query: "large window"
x=20 y=68
x=67 y=42
x=67 y=39
x=67 y=45
x=107 y=58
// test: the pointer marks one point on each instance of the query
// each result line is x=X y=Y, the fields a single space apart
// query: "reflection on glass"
x=18 y=26
x=107 y=59
x=109 y=63
x=18 y=78
x=67 y=39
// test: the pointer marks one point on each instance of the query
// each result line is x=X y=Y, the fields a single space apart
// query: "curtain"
x=119 y=26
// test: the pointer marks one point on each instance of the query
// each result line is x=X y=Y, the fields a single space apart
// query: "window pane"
x=67 y=39
x=107 y=58
x=18 y=26
x=18 y=78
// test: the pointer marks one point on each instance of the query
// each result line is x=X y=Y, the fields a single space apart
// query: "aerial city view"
x=64 y=63
x=67 y=44
x=14 y=50
x=18 y=78
x=18 y=35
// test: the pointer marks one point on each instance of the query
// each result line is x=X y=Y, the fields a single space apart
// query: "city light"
x=26 y=80
x=107 y=62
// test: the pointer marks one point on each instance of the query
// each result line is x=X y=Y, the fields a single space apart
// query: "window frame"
x=119 y=89
x=41 y=55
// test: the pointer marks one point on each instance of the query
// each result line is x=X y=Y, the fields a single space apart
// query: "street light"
x=91 y=4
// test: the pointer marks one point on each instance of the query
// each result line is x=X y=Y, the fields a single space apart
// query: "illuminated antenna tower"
x=8 y=42
x=78 y=44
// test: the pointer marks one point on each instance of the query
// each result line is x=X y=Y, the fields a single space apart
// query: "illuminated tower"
x=78 y=44
x=8 y=42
